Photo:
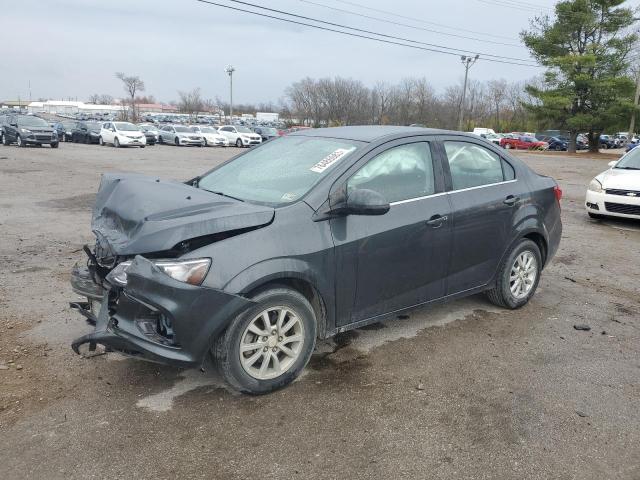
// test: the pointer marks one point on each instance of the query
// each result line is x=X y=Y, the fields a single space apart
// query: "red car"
x=523 y=143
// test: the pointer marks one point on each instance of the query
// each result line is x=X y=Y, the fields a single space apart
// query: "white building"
x=63 y=107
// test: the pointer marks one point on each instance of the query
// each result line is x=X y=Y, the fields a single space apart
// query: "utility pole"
x=230 y=71
x=636 y=100
x=468 y=62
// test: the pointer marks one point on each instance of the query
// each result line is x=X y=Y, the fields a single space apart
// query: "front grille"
x=194 y=138
x=622 y=208
x=43 y=137
x=628 y=193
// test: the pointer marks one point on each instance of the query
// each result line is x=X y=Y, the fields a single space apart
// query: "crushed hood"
x=136 y=214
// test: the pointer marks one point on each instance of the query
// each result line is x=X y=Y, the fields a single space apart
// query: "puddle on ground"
x=187 y=381
x=355 y=344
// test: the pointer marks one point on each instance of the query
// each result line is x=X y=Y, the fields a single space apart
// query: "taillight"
x=558 y=193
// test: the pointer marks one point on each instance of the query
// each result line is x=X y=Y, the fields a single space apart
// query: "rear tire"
x=160 y=141
x=517 y=280
x=237 y=367
x=101 y=141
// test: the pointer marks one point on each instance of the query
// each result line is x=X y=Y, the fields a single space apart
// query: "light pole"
x=636 y=100
x=468 y=62
x=230 y=71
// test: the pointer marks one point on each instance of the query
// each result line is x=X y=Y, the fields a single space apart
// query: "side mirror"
x=365 y=202
x=613 y=163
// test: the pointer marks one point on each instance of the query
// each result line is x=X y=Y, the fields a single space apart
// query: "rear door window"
x=472 y=165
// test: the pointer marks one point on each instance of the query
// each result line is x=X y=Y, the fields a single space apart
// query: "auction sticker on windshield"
x=330 y=159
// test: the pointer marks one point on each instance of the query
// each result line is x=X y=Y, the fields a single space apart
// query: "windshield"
x=268 y=131
x=94 y=126
x=243 y=130
x=208 y=130
x=126 y=127
x=280 y=171
x=631 y=161
x=32 y=122
x=182 y=129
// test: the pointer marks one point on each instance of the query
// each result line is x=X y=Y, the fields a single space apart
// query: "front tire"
x=101 y=141
x=20 y=142
x=518 y=276
x=239 y=143
x=266 y=347
x=116 y=142
x=54 y=145
x=176 y=141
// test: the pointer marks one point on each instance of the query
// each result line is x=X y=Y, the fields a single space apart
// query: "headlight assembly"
x=596 y=186
x=191 y=271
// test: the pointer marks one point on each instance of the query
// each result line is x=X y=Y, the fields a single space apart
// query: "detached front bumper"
x=158 y=318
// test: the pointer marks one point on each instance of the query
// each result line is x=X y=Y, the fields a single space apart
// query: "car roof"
x=371 y=133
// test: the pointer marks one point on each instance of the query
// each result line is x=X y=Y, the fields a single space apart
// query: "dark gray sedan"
x=305 y=236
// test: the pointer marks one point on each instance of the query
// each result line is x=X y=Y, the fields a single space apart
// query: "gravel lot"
x=463 y=390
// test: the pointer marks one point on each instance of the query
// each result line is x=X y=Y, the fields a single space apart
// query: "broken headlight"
x=191 y=271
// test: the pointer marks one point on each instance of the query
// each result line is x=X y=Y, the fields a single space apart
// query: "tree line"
x=496 y=104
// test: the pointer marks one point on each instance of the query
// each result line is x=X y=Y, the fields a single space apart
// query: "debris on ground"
x=581 y=414
x=582 y=326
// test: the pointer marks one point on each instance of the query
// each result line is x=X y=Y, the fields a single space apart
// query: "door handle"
x=511 y=200
x=437 y=220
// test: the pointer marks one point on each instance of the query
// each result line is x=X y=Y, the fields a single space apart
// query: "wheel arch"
x=301 y=285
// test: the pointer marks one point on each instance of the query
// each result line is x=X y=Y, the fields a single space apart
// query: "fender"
x=526 y=221
x=286 y=268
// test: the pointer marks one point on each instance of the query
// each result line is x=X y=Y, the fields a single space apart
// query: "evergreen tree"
x=585 y=49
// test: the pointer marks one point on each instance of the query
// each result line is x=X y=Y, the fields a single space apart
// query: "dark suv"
x=28 y=130
x=310 y=234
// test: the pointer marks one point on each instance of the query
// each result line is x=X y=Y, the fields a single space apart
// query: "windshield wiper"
x=225 y=195
x=628 y=168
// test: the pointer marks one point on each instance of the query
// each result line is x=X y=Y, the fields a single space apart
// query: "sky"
x=72 y=48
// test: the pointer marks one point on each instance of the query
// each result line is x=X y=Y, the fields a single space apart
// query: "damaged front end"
x=141 y=297
x=152 y=316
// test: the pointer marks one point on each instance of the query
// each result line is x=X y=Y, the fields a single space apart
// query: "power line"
x=386 y=12
x=369 y=32
x=351 y=12
x=514 y=5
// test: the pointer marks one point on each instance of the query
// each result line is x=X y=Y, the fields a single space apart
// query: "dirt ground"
x=463 y=390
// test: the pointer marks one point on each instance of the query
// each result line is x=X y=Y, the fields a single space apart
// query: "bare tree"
x=191 y=102
x=132 y=85
x=105 y=99
x=340 y=101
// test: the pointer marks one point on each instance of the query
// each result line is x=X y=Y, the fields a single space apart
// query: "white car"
x=494 y=138
x=121 y=134
x=211 y=136
x=179 y=135
x=240 y=136
x=616 y=192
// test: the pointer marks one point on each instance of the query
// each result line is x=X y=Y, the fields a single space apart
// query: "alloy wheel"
x=524 y=273
x=271 y=343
